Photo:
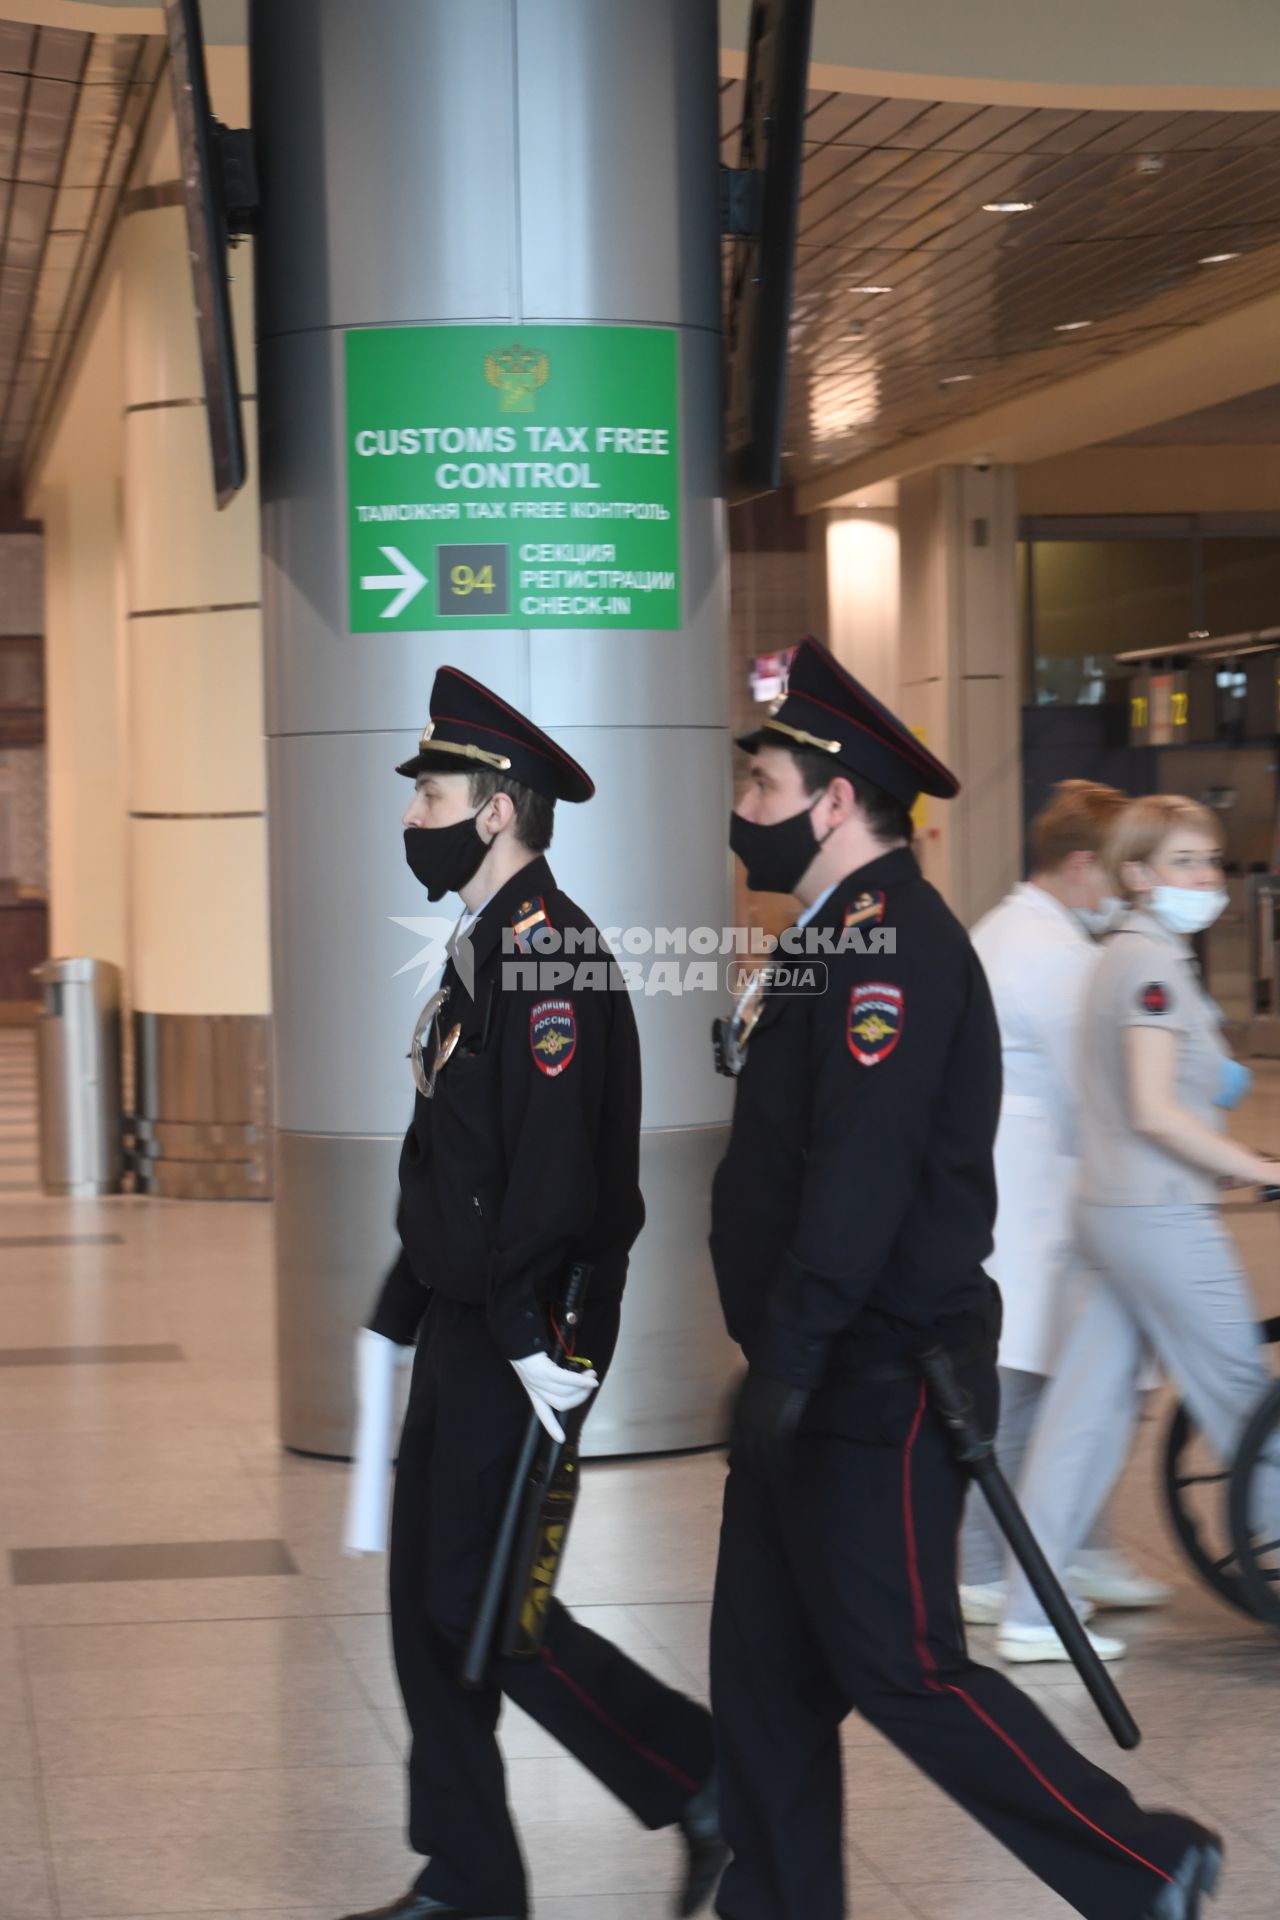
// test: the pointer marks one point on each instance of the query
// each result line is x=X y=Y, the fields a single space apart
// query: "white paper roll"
x=368 y=1491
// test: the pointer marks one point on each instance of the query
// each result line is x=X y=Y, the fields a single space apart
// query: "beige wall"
x=1153 y=480
x=1093 y=53
x=958 y=663
x=198 y=893
x=85 y=720
x=862 y=598
x=928 y=620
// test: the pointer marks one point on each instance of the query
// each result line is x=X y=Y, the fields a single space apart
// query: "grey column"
x=442 y=162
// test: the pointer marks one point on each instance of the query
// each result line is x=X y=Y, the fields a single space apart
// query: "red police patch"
x=874 y=1028
x=1154 y=997
x=553 y=1036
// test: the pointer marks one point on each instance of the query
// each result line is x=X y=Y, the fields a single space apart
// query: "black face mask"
x=776 y=857
x=443 y=859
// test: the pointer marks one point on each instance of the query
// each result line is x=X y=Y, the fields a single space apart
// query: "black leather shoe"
x=1196 y=1875
x=706 y=1853
x=420 y=1906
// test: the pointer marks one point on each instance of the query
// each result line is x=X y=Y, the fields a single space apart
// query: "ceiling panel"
x=46 y=122
x=71 y=111
x=60 y=55
x=16 y=46
x=1127 y=206
x=833 y=116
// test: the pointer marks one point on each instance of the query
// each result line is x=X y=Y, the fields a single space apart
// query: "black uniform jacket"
x=853 y=1210
x=526 y=1159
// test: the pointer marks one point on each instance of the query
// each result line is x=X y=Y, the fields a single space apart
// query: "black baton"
x=976 y=1453
x=493 y=1594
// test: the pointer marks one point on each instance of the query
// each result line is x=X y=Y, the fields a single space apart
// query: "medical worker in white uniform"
x=1038 y=948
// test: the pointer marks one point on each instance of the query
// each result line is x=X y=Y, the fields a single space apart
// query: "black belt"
x=982 y=1349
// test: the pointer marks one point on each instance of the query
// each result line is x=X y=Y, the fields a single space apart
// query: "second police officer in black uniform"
x=851 y=1217
x=521 y=1160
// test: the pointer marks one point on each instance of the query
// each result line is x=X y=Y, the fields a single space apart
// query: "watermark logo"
x=439 y=945
x=783 y=976
x=650 y=961
x=647 y=961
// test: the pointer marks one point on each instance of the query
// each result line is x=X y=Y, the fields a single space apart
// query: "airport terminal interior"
x=945 y=334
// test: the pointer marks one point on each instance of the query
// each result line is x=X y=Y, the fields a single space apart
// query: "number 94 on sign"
x=467 y=580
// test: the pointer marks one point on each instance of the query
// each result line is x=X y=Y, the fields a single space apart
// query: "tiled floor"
x=230 y=1744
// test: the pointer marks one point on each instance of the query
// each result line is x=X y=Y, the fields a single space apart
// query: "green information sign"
x=512 y=477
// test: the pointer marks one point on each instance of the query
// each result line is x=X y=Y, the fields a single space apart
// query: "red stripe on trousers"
x=929 y=1668
x=645 y=1753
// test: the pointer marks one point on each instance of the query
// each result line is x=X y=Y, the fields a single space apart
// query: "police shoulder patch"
x=553 y=1036
x=874 y=1026
x=868 y=908
x=527 y=916
x=1154 y=997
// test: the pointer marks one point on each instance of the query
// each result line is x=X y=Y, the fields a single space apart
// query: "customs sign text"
x=505 y=476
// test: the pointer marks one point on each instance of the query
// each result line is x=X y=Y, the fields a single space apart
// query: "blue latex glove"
x=1234 y=1082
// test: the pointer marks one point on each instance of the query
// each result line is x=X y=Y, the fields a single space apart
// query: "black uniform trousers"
x=648 y=1744
x=838 y=1592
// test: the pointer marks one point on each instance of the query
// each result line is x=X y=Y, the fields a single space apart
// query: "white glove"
x=554 y=1389
x=377 y=1362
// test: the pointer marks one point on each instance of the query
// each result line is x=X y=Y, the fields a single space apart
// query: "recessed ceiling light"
x=1216 y=259
x=871 y=289
x=1072 y=326
x=954 y=379
x=1008 y=206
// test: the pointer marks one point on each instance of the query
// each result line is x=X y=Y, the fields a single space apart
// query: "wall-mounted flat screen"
x=758 y=319
x=207 y=239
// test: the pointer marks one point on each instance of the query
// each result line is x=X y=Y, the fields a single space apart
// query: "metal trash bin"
x=78 y=1076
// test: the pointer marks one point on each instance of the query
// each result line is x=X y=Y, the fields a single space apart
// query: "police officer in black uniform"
x=521 y=1160
x=851 y=1217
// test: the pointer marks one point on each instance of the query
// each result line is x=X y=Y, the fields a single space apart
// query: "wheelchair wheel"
x=1253 y=1531
x=1197 y=1491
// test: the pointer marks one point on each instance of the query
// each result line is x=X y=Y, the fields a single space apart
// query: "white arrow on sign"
x=406 y=581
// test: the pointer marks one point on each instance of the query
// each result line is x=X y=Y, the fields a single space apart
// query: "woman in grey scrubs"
x=1154 y=1076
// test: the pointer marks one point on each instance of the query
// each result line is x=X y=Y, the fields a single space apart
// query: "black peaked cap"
x=471 y=727
x=825 y=710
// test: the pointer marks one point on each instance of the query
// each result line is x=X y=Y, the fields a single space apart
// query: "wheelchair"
x=1211 y=1508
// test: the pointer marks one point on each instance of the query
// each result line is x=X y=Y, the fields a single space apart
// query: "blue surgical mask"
x=1234 y=1081
x=1188 y=909
x=1103 y=918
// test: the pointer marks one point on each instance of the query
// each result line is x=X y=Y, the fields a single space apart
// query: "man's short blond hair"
x=1144 y=826
x=1076 y=819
